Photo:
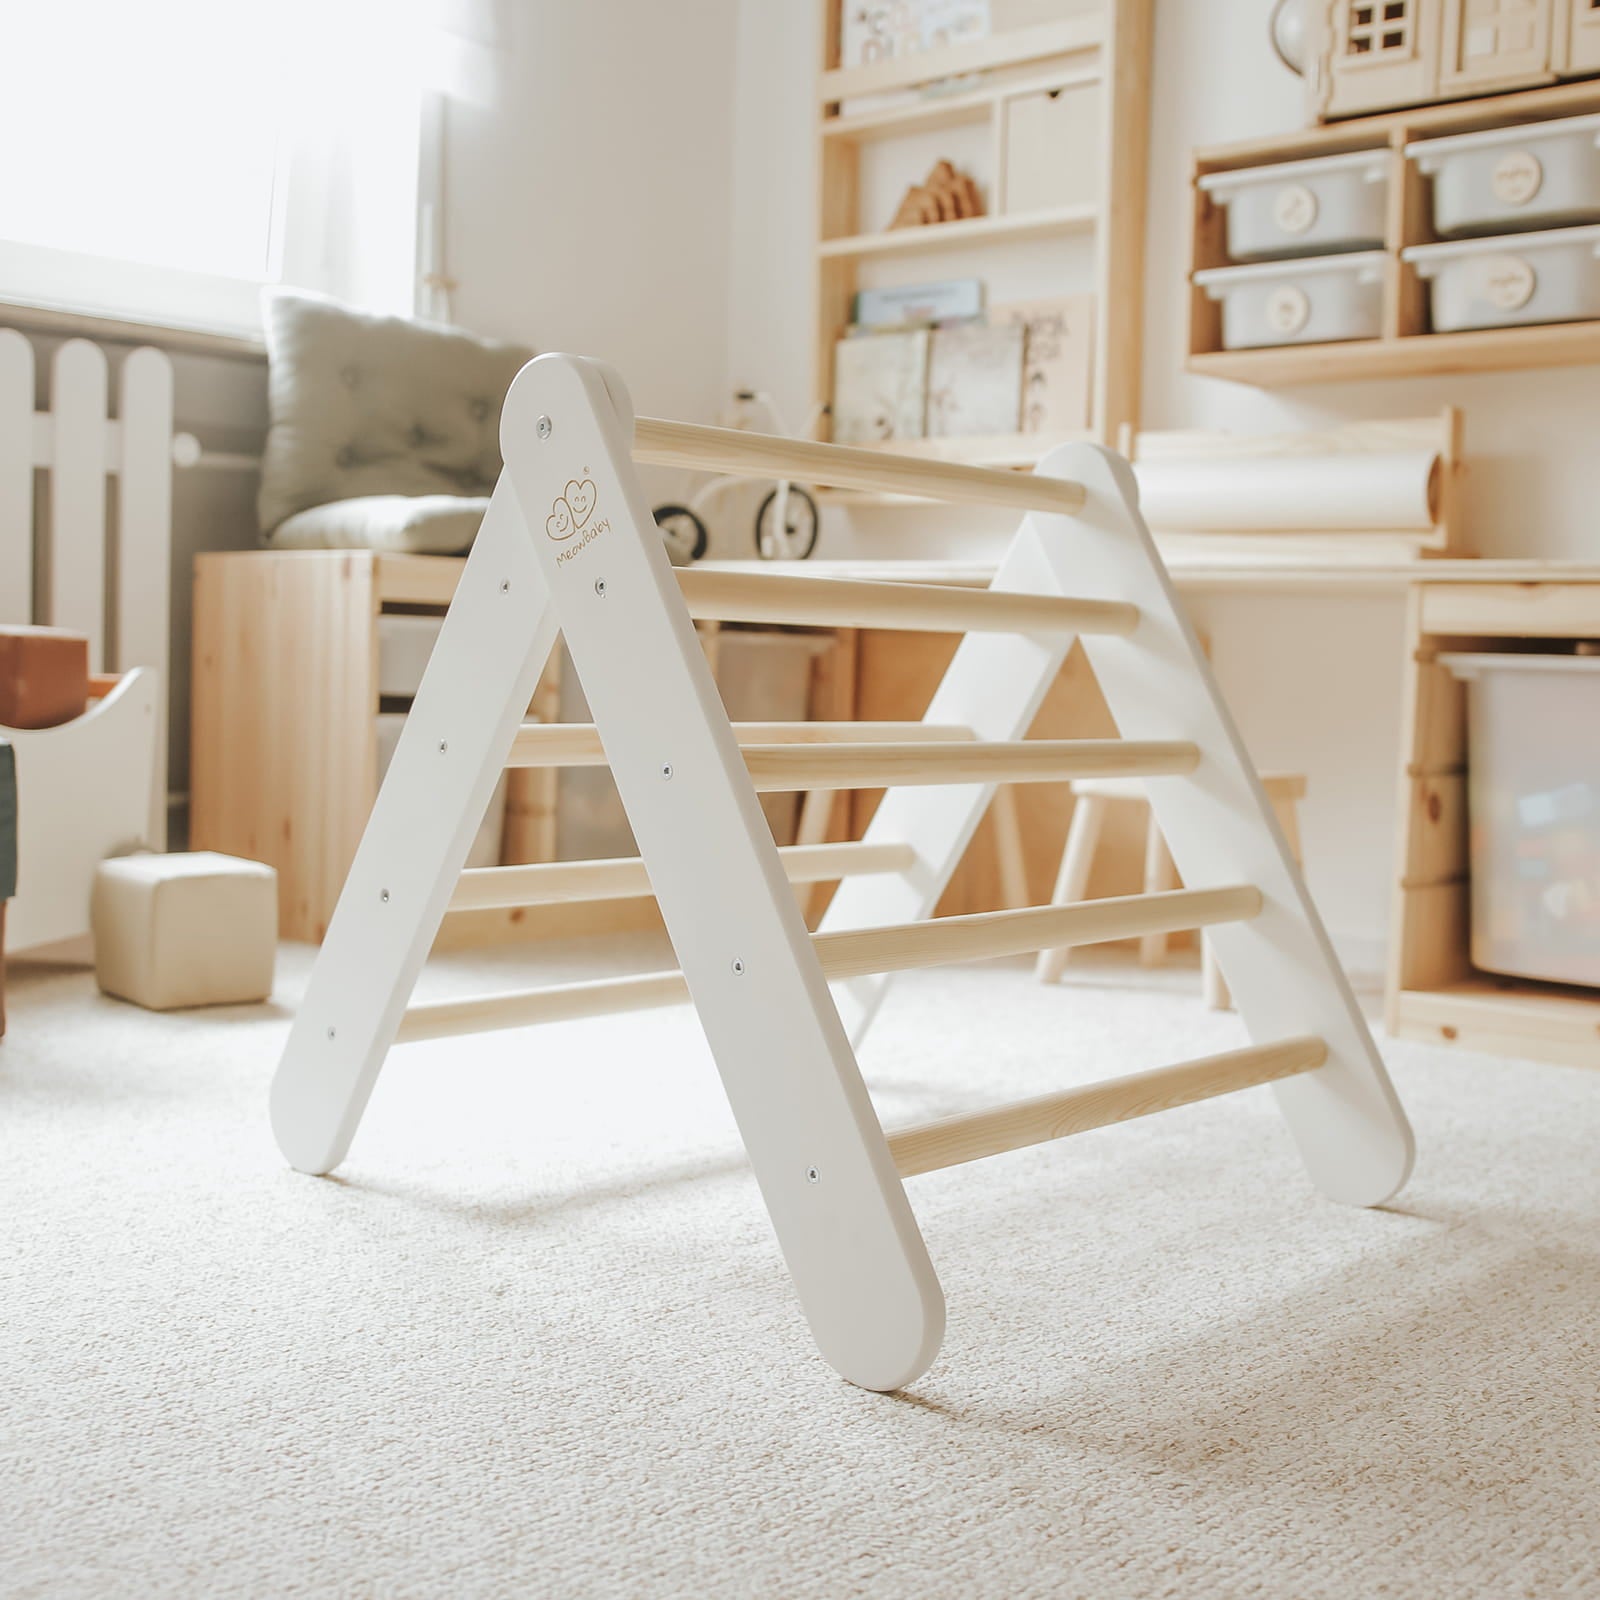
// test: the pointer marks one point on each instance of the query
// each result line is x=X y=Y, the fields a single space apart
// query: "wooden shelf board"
x=951 y=235
x=1366 y=133
x=1011 y=48
x=1505 y=1016
x=953 y=109
x=1555 y=344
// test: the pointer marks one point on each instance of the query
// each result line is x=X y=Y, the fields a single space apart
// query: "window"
x=166 y=159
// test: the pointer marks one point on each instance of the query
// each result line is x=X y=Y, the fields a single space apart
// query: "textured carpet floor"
x=535 y=1338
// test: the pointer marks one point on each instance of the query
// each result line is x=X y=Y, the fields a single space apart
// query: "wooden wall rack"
x=1406 y=347
x=1105 y=50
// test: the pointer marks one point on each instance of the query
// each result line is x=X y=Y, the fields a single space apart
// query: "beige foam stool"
x=198 y=929
x=1092 y=797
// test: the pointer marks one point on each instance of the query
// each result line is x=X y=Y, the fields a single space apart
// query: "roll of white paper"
x=1355 y=493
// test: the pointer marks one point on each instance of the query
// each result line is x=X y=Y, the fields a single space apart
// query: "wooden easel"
x=569 y=544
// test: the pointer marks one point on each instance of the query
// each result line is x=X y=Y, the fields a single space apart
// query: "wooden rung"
x=879 y=766
x=577 y=744
x=761 y=455
x=918 y=607
x=858 y=952
x=953 y=1140
x=554 y=882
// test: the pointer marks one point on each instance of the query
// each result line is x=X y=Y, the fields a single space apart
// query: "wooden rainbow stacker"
x=569 y=546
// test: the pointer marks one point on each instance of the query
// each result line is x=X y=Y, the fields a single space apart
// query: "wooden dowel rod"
x=521 y=1008
x=877 y=766
x=577 y=744
x=762 y=455
x=856 y=952
x=953 y=1140
x=921 y=607
x=555 y=882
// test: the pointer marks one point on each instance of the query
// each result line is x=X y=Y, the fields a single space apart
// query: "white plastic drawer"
x=1502 y=283
x=1303 y=208
x=1538 y=175
x=1298 y=302
x=404 y=644
x=485 y=849
x=1533 y=792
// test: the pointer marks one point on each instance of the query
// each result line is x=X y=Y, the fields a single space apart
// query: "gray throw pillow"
x=369 y=406
x=417 y=524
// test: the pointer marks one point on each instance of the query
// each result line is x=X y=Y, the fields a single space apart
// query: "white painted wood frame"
x=569 y=538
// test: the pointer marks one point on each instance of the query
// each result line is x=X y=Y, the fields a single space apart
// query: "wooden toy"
x=95 y=785
x=569 y=546
x=945 y=195
x=1374 y=55
x=189 y=929
x=44 y=676
x=8 y=856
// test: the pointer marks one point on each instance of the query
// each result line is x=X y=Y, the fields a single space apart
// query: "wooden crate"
x=1433 y=992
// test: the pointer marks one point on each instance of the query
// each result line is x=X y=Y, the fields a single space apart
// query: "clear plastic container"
x=1298 y=302
x=1533 y=797
x=1536 y=175
x=1303 y=208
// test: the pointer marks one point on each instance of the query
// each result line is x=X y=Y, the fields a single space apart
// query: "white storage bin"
x=1502 y=283
x=1538 y=175
x=1303 y=208
x=1533 y=793
x=1298 y=302
x=485 y=850
x=404 y=644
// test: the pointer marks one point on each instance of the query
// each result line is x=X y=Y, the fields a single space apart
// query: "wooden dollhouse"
x=1375 y=55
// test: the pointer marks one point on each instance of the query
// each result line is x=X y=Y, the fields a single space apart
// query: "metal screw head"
x=443 y=746
x=333 y=1033
x=505 y=586
x=666 y=770
x=383 y=895
x=600 y=587
x=545 y=428
x=738 y=967
x=812 y=1175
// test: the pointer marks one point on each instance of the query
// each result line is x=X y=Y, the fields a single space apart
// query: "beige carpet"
x=535 y=1340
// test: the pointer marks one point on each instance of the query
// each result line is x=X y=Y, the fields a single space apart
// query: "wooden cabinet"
x=1433 y=992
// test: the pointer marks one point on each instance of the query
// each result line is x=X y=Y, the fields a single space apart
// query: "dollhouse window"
x=1381 y=28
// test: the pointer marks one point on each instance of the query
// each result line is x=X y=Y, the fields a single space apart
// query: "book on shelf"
x=959 y=299
x=880 y=387
x=974 y=380
x=890 y=30
x=1058 y=360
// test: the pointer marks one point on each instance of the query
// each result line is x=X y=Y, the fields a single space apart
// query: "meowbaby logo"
x=570 y=515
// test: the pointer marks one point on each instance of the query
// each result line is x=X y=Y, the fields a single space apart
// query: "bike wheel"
x=799 y=536
x=683 y=533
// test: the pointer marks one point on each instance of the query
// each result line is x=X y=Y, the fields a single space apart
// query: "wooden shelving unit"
x=1406 y=348
x=1104 y=52
x=1433 y=991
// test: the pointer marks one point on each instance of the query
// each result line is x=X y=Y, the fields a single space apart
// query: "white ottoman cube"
x=185 y=930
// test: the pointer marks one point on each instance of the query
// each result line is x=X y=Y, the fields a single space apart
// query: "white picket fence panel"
x=94 y=775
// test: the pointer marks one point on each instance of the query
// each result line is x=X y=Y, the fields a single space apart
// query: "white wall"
x=589 y=200
x=1313 y=680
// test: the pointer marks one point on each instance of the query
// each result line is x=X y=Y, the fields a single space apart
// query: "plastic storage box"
x=1533 y=795
x=1303 y=208
x=1501 y=283
x=1538 y=175
x=1298 y=302
x=404 y=644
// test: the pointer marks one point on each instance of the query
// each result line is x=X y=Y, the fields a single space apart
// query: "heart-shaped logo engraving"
x=580 y=498
x=560 y=523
